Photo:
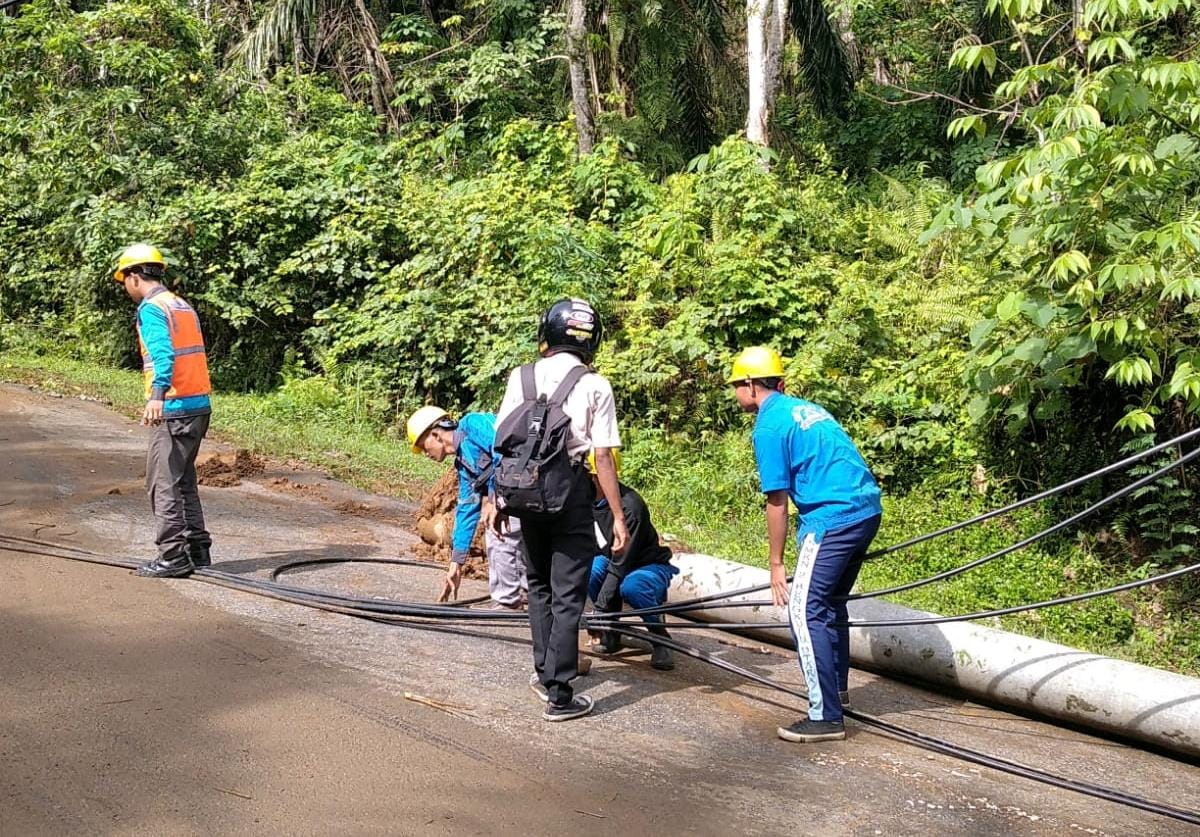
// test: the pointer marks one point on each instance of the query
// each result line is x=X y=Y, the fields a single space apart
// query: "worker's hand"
x=153 y=413
x=620 y=537
x=450 y=583
x=499 y=522
x=779 y=584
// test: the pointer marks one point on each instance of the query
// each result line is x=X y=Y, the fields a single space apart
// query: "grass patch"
x=304 y=420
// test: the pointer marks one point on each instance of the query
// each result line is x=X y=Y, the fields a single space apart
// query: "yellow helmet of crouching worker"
x=591 y=460
x=139 y=254
x=420 y=423
x=756 y=363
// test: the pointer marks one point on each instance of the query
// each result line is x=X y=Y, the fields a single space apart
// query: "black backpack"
x=535 y=475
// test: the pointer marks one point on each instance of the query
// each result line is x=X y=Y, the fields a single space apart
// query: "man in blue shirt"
x=469 y=440
x=803 y=454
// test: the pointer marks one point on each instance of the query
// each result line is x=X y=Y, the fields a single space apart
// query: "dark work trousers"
x=826 y=570
x=171 y=484
x=558 y=559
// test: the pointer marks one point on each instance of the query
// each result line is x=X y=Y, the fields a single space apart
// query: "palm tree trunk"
x=849 y=39
x=382 y=82
x=576 y=33
x=776 y=34
x=756 y=70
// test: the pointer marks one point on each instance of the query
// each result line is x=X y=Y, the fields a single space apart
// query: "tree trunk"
x=777 y=28
x=756 y=71
x=849 y=39
x=1076 y=29
x=585 y=123
x=382 y=82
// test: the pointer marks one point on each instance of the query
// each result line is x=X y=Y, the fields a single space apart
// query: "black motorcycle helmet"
x=570 y=325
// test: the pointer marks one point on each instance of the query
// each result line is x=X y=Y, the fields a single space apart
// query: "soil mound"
x=222 y=470
x=435 y=525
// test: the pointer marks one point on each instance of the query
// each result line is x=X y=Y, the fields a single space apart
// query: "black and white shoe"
x=577 y=708
x=808 y=731
x=844 y=700
x=174 y=566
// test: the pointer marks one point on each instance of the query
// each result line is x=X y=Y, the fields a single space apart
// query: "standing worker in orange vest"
x=175 y=370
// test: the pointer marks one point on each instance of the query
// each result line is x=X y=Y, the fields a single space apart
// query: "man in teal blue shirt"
x=804 y=455
x=432 y=432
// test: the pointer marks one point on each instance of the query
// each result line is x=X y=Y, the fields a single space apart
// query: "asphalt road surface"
x=143 y=706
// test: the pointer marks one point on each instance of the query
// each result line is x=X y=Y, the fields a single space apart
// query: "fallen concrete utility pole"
x=1113 y=696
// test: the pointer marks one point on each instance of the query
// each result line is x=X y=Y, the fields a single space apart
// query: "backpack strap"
x=478 y=479
x=568 y=384
x=528 y=383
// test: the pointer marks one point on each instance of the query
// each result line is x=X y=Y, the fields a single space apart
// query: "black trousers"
x=558 y=559
x=171 y=484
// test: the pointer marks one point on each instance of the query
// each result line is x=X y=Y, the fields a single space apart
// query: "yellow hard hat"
x=137 y=254
x=754 y=363
x=591 y=460
x=420 y=422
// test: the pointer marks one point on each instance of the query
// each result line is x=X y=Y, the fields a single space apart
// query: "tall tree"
x=826 y=67
x=577 y=49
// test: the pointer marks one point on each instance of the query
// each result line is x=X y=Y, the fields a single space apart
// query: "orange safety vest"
x=189 y=376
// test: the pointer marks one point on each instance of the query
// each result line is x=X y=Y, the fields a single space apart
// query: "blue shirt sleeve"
x=152 y=325
x=469 y=509
x=771 y=454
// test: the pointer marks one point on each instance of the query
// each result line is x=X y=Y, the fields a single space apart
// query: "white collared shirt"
x=590 y=405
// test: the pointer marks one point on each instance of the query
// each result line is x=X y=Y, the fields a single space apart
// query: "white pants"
x=506 y=564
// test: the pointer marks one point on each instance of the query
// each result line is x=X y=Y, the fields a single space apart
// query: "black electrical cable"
x=1035 y=498
x=609 y=619
x=404 y=562
x=1037 y=536
x=693 y=604
x=929 y=742
x=36 y=542
x=1007 y=611
x=319 y=601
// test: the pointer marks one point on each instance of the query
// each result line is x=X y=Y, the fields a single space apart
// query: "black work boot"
x=610 y=642
x=808 y=731
x=167 y=566
x=199 y=553
x=660 y=655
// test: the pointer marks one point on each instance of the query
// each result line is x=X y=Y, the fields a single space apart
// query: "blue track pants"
x=827 y=567
x=644 y=587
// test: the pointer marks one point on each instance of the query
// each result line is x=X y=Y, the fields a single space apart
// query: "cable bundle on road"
x=418 y=613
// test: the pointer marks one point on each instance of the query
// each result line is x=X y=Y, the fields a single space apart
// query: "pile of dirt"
x=442 y=498
x=222 y=470
x=435 y=525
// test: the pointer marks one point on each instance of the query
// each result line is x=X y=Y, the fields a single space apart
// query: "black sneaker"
x=577 y=708
x=808 y=731
x=844 y=699
x=200 y=555
x=175 y=566
x=660 y=658
x=535 y=686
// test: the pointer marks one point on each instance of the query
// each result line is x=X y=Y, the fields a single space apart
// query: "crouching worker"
x=175 y=370
x=804 y=454
x=469 y=440
x=639 y=576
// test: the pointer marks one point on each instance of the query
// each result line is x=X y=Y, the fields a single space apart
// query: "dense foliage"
x=984 y=261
